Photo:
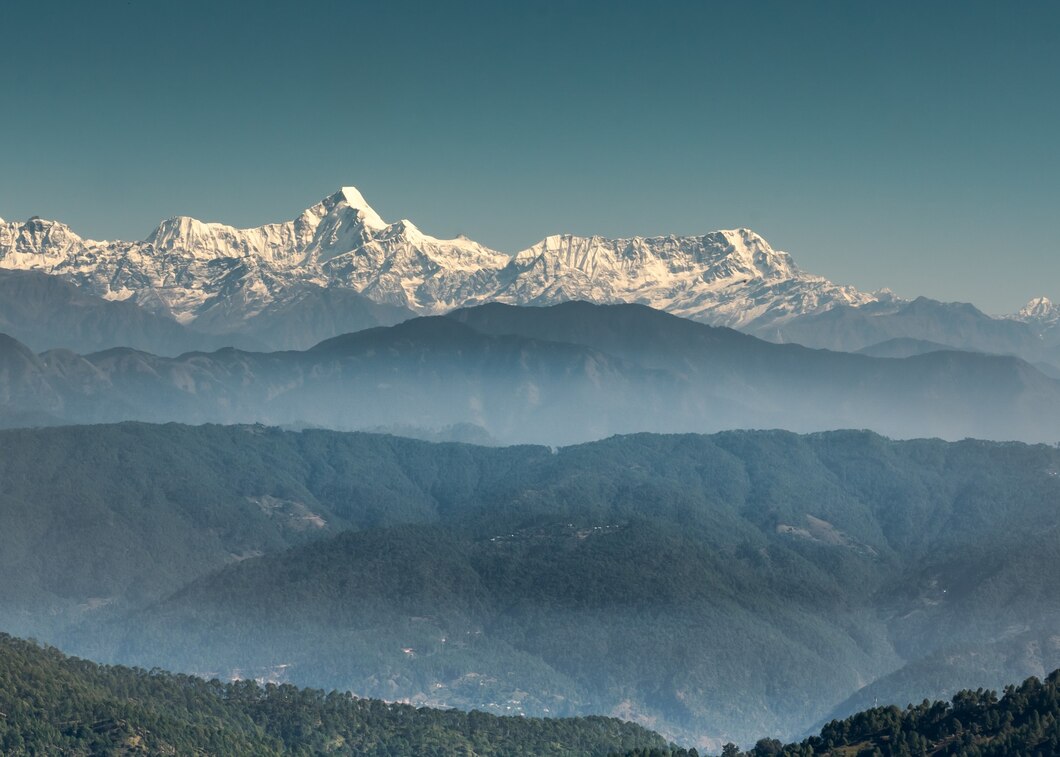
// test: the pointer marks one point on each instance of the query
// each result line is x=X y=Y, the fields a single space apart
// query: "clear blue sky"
x=910 y=145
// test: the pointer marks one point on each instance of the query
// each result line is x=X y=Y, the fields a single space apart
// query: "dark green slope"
x=51 y=704
x=94 y=518
x=1024 y=721
x=628 y=618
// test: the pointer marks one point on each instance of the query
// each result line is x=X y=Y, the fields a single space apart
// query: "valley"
x=712 y=588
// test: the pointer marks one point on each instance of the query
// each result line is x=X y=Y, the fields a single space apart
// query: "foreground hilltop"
x=52 y=704
x=55 y=703
x=1025 y=721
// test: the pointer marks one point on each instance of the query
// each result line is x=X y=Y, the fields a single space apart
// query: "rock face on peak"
x=353 y=197
x=219 y=278
x=36 y=243
x=1039 y=312
x=727 y=278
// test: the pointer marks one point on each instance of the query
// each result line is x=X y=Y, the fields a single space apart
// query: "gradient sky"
x=914 y=146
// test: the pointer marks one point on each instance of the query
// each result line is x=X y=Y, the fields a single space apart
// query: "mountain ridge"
x=732 y=277
x=566 y=373
x=339 y=266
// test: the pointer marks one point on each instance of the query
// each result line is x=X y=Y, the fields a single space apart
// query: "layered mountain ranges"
x=713 y=588
x=710 y=587
x=554 y=375
x=340 y=267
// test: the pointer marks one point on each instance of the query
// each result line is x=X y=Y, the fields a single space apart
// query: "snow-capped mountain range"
x=217 y=278
x=209 y=273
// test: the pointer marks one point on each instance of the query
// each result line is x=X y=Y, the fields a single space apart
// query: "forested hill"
x=52 y=704
x=1025 y=721
x=714 y=588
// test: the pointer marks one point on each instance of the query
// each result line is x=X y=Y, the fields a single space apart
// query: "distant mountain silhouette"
x=570 y=372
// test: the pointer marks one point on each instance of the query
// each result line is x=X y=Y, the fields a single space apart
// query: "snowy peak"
x=738 y=255
x=185 y=232
x=754 y=253
x=403 y=229
x=1037 y=307
x=337 y=224
x=210 y=273
x=1040 y=311
x=36 y=243
x=356 y=200
x=730 y=277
